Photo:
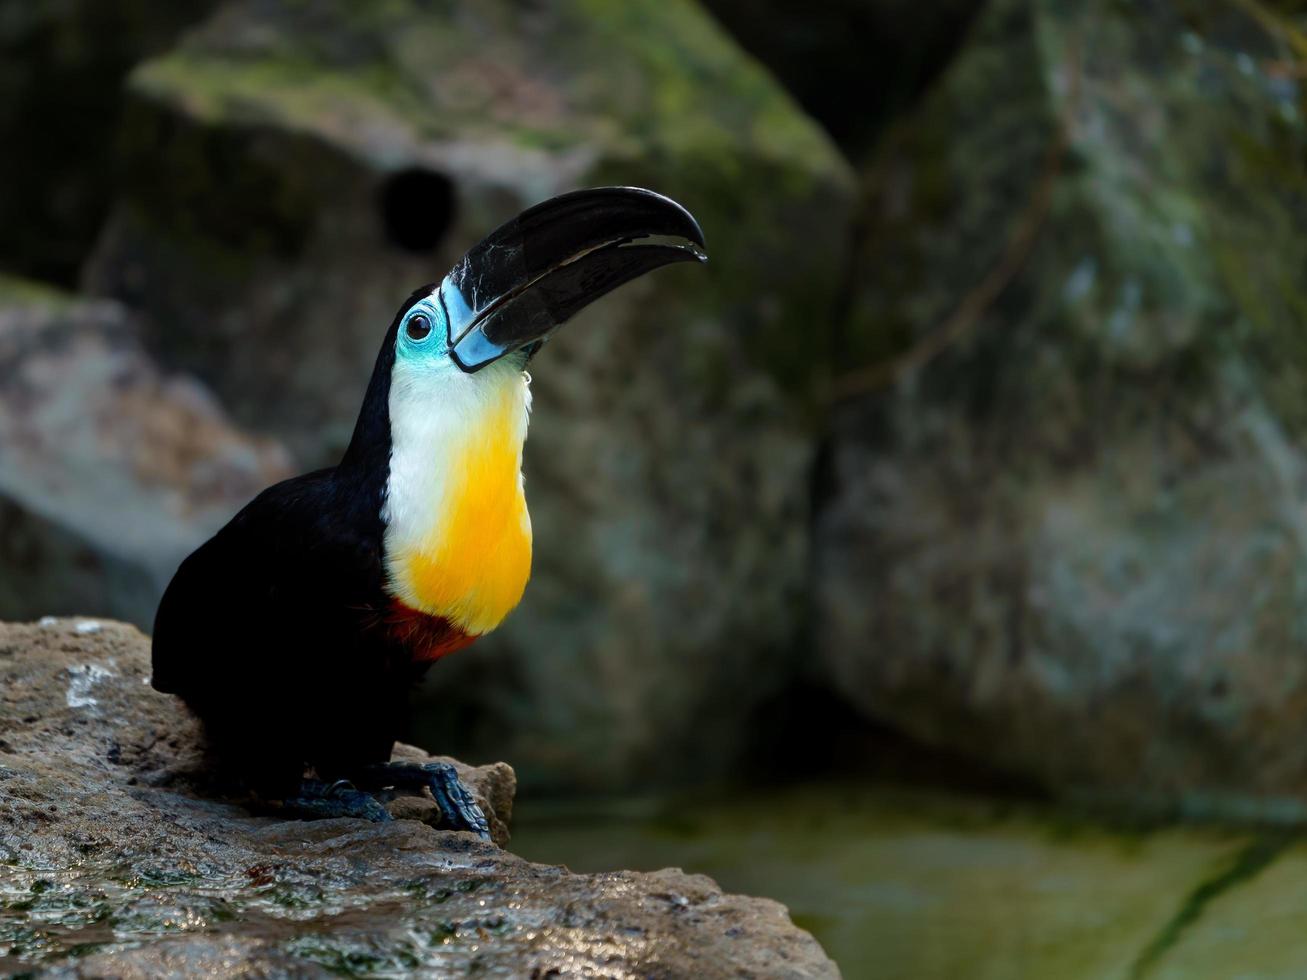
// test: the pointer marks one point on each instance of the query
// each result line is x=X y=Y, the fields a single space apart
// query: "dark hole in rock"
x=417 y=207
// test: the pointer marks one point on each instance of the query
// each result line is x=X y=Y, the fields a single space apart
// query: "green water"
x=914 y=884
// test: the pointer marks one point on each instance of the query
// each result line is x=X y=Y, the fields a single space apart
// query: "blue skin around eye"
x=435 y=346
x=434 y=352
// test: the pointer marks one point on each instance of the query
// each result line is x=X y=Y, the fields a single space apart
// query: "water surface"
x=915 y=884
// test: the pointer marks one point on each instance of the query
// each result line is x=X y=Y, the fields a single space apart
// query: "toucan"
x=296 y=632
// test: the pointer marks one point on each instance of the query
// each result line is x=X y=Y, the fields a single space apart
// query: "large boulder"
x=112 y=865
x=1063 y=519
x=296 y=170
x=111 y=470
x=62 y=68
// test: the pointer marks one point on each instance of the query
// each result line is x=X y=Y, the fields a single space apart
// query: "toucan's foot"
x=318 y=800
x=458 y=810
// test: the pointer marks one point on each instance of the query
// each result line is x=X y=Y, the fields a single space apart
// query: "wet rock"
x=111 y=864
x=1070 y=543
x=111 y=470
x=295 y=171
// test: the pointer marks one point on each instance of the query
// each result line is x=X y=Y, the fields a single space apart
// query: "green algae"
x=356 y=959
x=52 y=916
x=75 y=912
x=19 y=292
x=1245 y=865
x=432 y=891
x=379 y=68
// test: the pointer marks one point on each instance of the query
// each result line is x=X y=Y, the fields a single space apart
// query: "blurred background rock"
x=974 y=458
x=977 y=449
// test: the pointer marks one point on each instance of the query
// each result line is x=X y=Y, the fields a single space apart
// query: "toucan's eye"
x=418 y=327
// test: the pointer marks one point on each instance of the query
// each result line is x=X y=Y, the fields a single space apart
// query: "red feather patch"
x=428 y=637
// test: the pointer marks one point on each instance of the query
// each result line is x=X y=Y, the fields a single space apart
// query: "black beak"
x=530 y=275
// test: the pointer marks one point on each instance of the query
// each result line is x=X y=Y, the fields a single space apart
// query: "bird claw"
x=318 y=800
x=458 y=808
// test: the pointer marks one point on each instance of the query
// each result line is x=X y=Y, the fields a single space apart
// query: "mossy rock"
x=1069 y=543
x=299 y=168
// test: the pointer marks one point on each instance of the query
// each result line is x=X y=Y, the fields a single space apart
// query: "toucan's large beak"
x=530 y=275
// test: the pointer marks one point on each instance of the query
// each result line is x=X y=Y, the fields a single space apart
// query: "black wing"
x=291 y=572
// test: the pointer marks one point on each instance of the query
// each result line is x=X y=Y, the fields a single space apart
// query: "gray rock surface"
x=111 y=864
x=111 y=470
x=1071 y=543
x=669 y=457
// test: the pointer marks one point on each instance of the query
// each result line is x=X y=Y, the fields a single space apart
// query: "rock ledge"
x=112 y=864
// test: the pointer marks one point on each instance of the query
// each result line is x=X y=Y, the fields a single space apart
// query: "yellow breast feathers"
x=458 y=535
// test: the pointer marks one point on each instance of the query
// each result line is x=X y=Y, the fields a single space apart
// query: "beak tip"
x=699 y=238
x=690 y=230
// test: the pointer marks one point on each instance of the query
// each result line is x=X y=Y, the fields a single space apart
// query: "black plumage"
x=276 y=633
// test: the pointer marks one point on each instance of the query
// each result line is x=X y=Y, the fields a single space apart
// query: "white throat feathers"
x=457 y=531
